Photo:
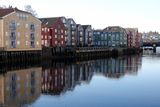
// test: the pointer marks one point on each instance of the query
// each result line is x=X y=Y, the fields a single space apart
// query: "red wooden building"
x=53 y=32
x=133 y=37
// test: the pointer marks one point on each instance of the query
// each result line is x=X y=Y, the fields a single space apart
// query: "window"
x=18 y=42
x=13 y=44
x=73 y=32
x=26 y=43
x=65 y=38
x=113 y=36
x=117 y=37
x=81 y=33
x=56 y=42
x=37 y=43
x=45 y=43
x=32 y=44
x=12 y=25
x=13 y=36
x=55 y=30
x=62 y=42
x=26 y=25
x=18 y=24
x=32 y=27
x=45 y=36
x=65 y=32
x=42 y=29
x=55 y=36
x=48 y=30
x=72 y=38
x=42 y=42
x=61 y=30
x=62 y=36
x=90 y=34
x=81 y=39
x=6 y=33
x=71 y=22
x=32 y=37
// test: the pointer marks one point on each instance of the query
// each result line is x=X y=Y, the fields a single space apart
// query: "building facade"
x=71 y=36
x=79 y=38
x=133 y=37
x=117 y=36
x=20 y=87
x=87 y=35
x=97 y=37
x=19 y=30
x=54 y=32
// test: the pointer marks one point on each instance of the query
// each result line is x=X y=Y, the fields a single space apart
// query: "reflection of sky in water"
x=141 y=90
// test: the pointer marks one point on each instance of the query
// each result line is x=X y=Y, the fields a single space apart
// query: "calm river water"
x=128 y=81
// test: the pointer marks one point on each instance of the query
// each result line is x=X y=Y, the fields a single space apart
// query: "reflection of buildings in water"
x=53 y=79
x=61 y=77
x=133 y=64
x=21 y=87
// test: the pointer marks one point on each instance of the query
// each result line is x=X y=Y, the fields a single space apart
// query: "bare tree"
x=29 y=9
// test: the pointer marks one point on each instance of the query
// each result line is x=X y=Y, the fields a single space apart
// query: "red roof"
x=6 y=11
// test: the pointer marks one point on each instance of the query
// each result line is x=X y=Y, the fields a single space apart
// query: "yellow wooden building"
x=19 y=30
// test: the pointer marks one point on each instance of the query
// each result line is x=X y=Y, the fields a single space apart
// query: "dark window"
x=13 y=25
x=32 y=44
x=13 y=44
x=13 y=39
x=32 y=36
x=13 y=36
x=32 y=27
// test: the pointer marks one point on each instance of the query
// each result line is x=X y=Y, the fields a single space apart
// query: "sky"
x=141 y=14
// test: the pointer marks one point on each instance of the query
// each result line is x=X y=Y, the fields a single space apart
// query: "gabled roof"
x=6 y=11
x=48 y=21
x=85 y=26
x=114 y=29
x=78 y=25
x=69 y=20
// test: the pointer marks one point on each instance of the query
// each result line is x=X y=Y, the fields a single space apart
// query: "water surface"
x=128 y=81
